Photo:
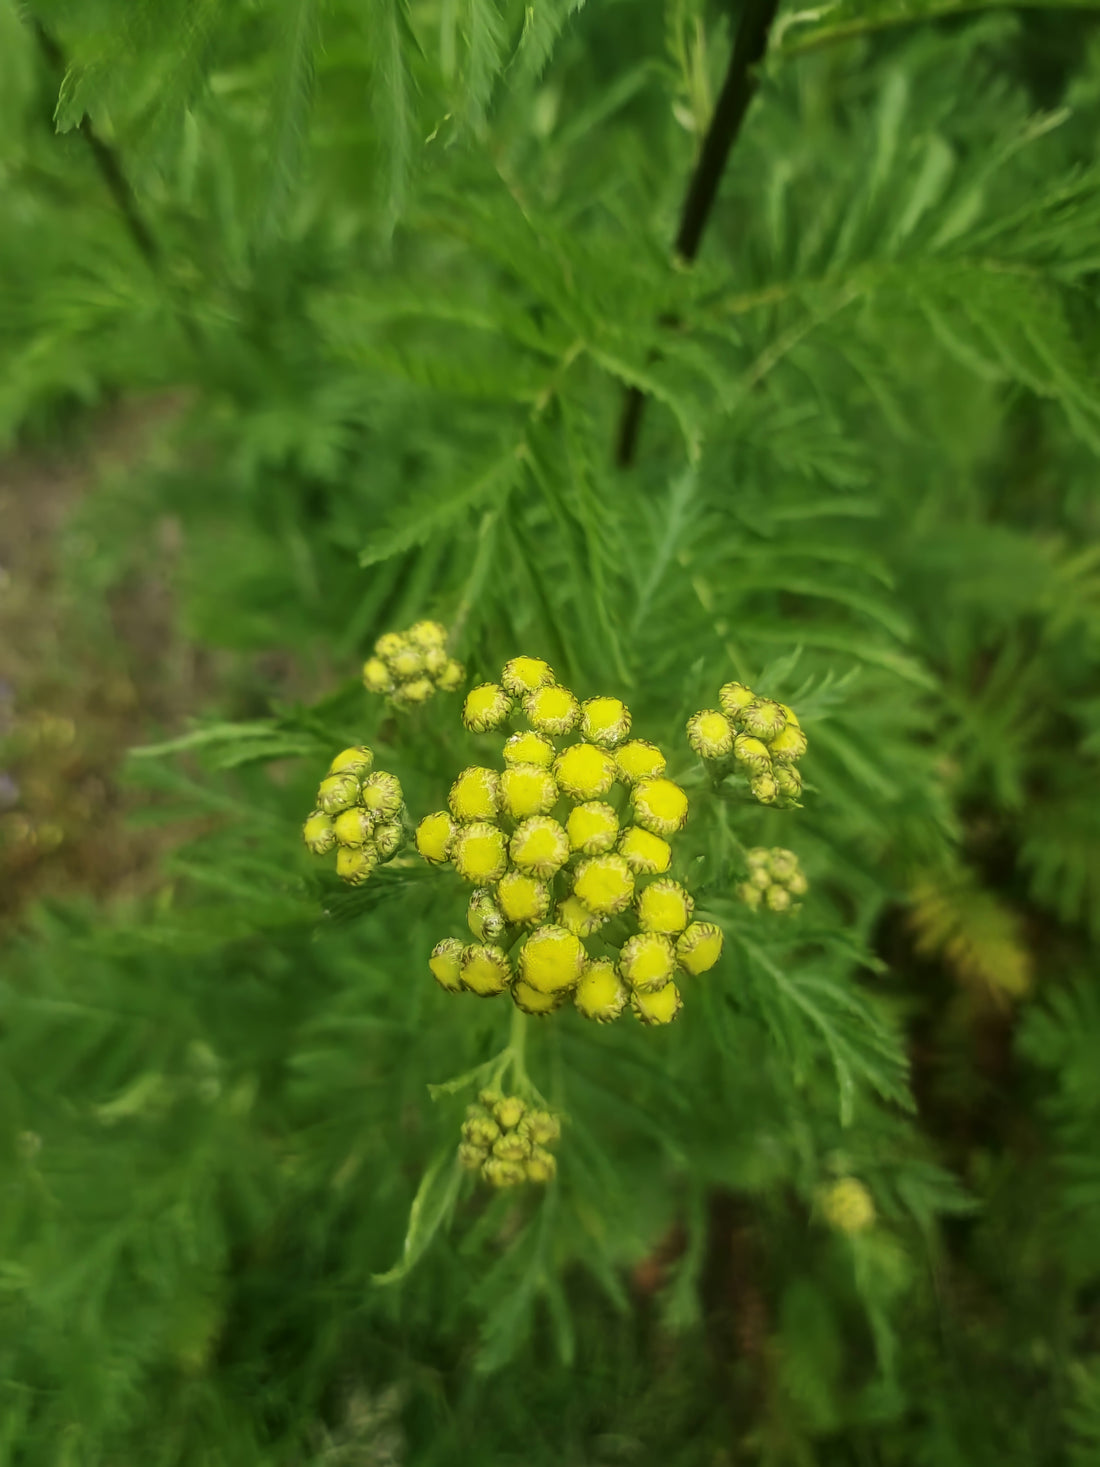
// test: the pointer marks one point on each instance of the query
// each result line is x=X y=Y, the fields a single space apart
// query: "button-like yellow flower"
x=338 y=792
x=529 y=747
x=356 y=761
x=788 y=782
x=764 y=788
x=752 y=753
x=660 y=806
x=434 y=835
x=848 y=1206
x=523 y=898
x=540 y=846
x=416 y=690
x=592 y=828
x=541 y=1166
x=699 y=948
x=446 y=964
x=388 y=837
x=584 y=772
x=486 y=707
x=734 y=697
x=531 y=1001
x=389 y=644
x=527 y=789
x=427 y=634
x=474 y=794
x=575 y=917
x=665 y=907
x=764 y=719
x=380 y=793
x=647 y=961
x=551 y=960
x=479 y=853
x=483 y=917
x=355 y=864
x=318 y=833
x=605 y=884
x=639 y=760
x=644 y=852
x=789 y=745
x=657 y=1008
x=600 y=994
x=377 y=677
x=522 y=675
x=353 y=827
x=605 y=721
x=710 y=734
x=552 y=709
x=486 y=971
x=451 y=676
x=407 y=662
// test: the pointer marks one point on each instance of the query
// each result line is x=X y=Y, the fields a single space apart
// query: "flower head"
x=434 y=836
x=380 y=793
x=699 y=947
x=605 y=721
x=575 y=917
x=354 y=864
x=764 y=719
x=484 y=918
x=551 y=960
x=848 y=1206
x=318 y=833
x=657 y=1008
x=639 y=760
x=541 y=1166
x=533 y=1001
x=485 y=969
x=523 y=899
x=604 y=884
x=529 y=747
x=600 y=994
x=644 y=852
x=446 y=964
x=664 y=906
x=540 y=846
x=522 y=675
x=527 y=789
x=338 y=792
x=551 y=709
x=660 y=806
x=710 y=734
x=486 y=707
x=474 y=794
x=353 y=827
x=358 y=761
x=647 y=961
x=734 y=697
x=584 y=771
x=377 y=678
x=427 y=634
x=592 y=828
x=480 y=853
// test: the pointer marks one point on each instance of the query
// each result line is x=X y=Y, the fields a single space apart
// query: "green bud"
x=798 y=885
x=318 y=833
x=471 y=1157
x=338 y=792
x=752 y=754
x=789 y=745
x=388 y=838
x=353 y=827
x=760 y=877
x=380 y=793
x=788 y=781
x=782 y=864
x=509 y=1111
x=480 y=1131
x=541 y=1166
x=733 y=698
x=751 y=895
x=484 y=917
x=504 y=1173
x=778 y=899
x=488 y=1099
x=540 y=1128
x=512 y=1147
x=357 y=761
x=764 y=788
x=763 y=719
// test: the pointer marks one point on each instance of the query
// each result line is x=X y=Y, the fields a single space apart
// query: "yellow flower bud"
x=486 y=971
x=487 y=1099
x=647 y=961
x=788 y=782
x=541 y=1166
x=389 y=644
x=600 y=994
x=377 y=677
x=792 y=716
x=551 y=959
x=435 y=662
x=639 y=760
x=524 y=674
x=758 y=856
x=471 y=1157
x=434 y=835
x=605 y=884
x=511 y=1147
x=338 y=792
x=660 y=806
x=645 y=853
x=848 y=1206
x=417 y=690
x=540 y=1128
x=710 y=734
x=451 y=676
x=509 y=1110
x=381 y=794
x=782 y=864
x=778 y=899
x=797 y=884
x=479 y=853
x=789 y=745
x=427 y=634
x=751 y=895
x=446 y=964
x=540 y=846
x=504 y=1173
x=764 y=719
x=584 y=771
x=529 y=748
x=605 y=721
x=592 y=828
x=760 y=877
x=474 y=794
x=406 y=663
x=733 y=698
x=657 y=1008
x=764 y=788
x=356 y=761
x=699 y=948
x=527 y=789
x=318 y=833
x=354 y=865
x=486 y=707
x=531 y=1001
x=752 y=753
x=480 y=1129
x=523 y=898
x=353 y=827
x=665 y=907
x=552 y=709
x=484 y=918
x=575 y=917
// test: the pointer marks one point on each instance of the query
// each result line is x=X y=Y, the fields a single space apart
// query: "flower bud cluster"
x=507 y=1142
x=847 y=1206
x=754 y=737
x=567 y=848
x=775 y=880
x=409 y=667
x=359 y=814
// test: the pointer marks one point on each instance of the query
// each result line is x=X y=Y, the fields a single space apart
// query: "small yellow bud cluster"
x=507 y=1142
x=562 y=841
x=358 y=814
x=847 y=1206
x=755 y=736
x=775 y=880
x=408 y=667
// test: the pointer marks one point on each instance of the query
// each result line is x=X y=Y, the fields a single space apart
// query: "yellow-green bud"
x=575 y=917
x=389 y=644
x=699 y=948
x=318 y=833
x=540 y=1128
x=605 y=721
x=788 y=781
x=434 y=835
x=540 y=846
x=531 y=1001
x=474 y=794
x=527 y=789
x=446 y=964
x=512 y=1147
x=751 y=895
x=407 y=663
x=764 y=788
x=551 y=959
x=734 y=698
x=778 y=899
x=782 y=863
x=338 y=792
x=509 y=1111
x=645 y=853
x=710 y=734
x=789 y=745
x=428 y=634
x=354 y=865
x=416 y=690
x=657 y=1008
x=381 y=795
x=600 y=994
x=760 y=877
x=480 y=1130
x=377 y=677
x=592 y=828
x=664 y=906
x=504 y=1173
x=484 y=918
x=552 y=709
x=848 y=1206
x=752 y=753
x=647 y=961
x=522 y=675
x=486 y=971
x=583 y=771
x=487 y=1099
x=479 y=853
x=797 y=884
x=639 y=760
x=356 y=761
x=486 y=707
x=758 y=856
x=541 y=1166
x=660 y=806
x=529 y=747
x=764 y=719
x=470 y=1158
x=388 y=838
x=523 y=899
x=353 y=827
x=605 y=884
x=435 y=662
x=451 y=676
